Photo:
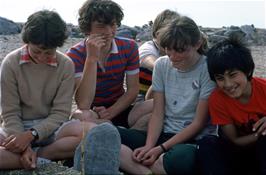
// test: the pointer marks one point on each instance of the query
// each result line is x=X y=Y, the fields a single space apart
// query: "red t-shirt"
x=225 y=110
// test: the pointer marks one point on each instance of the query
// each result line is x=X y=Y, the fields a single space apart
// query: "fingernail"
x=253 y=129
x=256 y=135
x=264 y=133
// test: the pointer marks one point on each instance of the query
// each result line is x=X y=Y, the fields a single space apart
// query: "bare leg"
x=66 y=141
x=157 y=167
x=139 y=110
x=2 y=138
x=142 y=123
x=9 y=160
x=129 y=165
x=88 y=116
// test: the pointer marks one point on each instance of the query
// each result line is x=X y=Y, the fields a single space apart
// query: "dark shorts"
x=180 y=159
x=122 y=118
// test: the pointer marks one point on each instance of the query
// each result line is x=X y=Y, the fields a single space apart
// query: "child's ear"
x=198 y=45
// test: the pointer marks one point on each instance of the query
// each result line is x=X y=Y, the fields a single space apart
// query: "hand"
x=260 y=127
x=28 y=158
x=18 y=143
x=139 y=153
x=151 y=156
x=2 y=139
x=94 y=43
x=102 y=112
x=85 y=115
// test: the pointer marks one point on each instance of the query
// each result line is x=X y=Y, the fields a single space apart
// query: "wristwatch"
x=34 y=133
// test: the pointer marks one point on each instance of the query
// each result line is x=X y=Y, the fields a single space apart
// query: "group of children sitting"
x=204 y=112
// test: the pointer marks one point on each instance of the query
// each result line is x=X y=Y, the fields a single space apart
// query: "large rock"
x=127 y=32
x=8 y=27
x=99 y=152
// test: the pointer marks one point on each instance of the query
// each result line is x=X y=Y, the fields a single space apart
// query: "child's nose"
x=227 y=82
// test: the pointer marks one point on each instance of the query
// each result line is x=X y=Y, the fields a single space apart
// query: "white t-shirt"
x=182 y=91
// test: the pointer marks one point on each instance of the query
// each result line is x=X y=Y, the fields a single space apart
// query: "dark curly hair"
x=104 y=11
x=45 y=28
x=229 y=55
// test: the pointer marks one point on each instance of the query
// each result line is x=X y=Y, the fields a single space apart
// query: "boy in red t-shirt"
x=238 y=106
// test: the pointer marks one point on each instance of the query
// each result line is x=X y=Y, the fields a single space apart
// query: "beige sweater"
x=35 y=91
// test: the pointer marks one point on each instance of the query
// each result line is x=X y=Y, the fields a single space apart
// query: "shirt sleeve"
x=133 y=59
x=77 y=54
x=10 y=99
x=146 y=50
x=157 y=75
x=207 y=85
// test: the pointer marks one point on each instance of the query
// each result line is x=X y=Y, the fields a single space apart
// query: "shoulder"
x=148 y=48
x=259 y=81
x=163 y=63
x=124 y=42
x=162 y=60
x=202 y=67
x=63 y=59
x=147 y=45
x=12 y=57
x=76 y=50
x=203 y=62
x=259 y=85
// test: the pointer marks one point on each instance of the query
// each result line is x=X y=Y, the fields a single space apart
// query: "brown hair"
x=181 y=33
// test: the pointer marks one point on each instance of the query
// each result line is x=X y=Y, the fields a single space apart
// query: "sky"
x=206 y=13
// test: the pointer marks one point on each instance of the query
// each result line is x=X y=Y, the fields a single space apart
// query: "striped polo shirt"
x=123 y=59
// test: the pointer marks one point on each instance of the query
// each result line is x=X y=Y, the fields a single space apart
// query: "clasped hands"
x=146 y=155
x=20 y=144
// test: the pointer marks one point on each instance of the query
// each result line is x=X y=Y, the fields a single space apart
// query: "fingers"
x=261 y=130
x=7 y=140
x=95 y=42
x=138 y=154
x=15 y=144
x=33 y=160
x=148 y=161
x=28 y=159
x=98 y=108
x=11 y=145
x=102 y=112
x=260 y=127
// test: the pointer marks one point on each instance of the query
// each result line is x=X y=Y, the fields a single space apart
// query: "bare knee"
x=84 y=115
x=142 y=123
x=139 y=110
x=75 y=128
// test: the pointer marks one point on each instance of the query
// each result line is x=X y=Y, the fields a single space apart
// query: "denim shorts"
x=29 y=124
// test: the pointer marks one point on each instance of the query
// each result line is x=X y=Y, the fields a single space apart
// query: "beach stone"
x=99 y=152
x=8 y=27
x=45 y=169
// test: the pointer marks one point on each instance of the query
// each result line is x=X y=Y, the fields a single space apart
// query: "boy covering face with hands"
x=101 y=61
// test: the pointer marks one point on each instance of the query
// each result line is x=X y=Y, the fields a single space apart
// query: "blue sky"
x=212 y=13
